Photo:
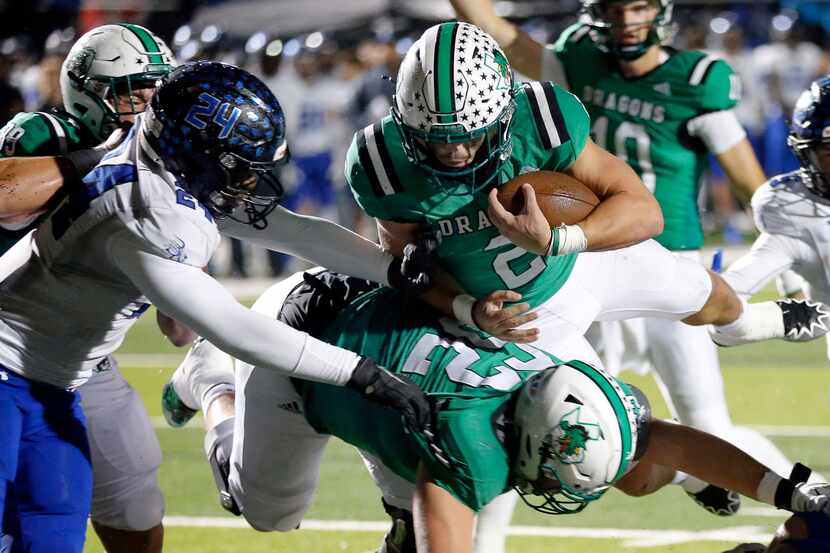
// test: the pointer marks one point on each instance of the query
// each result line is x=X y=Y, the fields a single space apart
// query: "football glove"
x=386 y=388
x=411 y=272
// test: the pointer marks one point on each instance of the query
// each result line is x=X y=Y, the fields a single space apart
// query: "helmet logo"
x=222 y=113
x=496 y=62
x=77 y=67
x=571 y=437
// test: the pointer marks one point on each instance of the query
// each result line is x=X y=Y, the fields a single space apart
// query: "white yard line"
x=775 y=431
x=630 y=537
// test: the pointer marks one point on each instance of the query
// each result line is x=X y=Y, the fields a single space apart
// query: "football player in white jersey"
x=792 y=210
x=138 y=230
x=106 y=79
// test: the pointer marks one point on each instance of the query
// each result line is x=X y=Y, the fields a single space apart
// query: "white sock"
x=692 y=484
x=757 y=321
x=206 y=367
x=493 y=520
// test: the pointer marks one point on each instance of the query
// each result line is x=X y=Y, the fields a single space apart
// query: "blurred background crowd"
x=332 y=65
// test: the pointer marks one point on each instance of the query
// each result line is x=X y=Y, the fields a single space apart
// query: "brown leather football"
x=563 y=199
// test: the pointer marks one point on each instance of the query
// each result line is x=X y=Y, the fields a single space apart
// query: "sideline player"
x=507 y=415
x=138 y=230
x=107 y=78
x=457 y=130
x=791 y=210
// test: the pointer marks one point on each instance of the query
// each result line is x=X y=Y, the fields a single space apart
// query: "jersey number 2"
x=625 y=132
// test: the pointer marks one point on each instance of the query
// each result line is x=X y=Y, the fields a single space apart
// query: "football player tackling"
x=507 y=415
x=792 y=210
x=107 y=78
x=138 y=229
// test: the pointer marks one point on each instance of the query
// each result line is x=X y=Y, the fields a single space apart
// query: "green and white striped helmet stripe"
x=151 y=46
x=444 y=76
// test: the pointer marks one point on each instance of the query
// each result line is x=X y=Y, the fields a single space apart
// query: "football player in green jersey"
x=107 y=78
x=457 y=130
x=662 y=111
x=507 y=415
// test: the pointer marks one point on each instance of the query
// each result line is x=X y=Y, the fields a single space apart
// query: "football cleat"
x=400 y=538
x=718 y=501
x=176 y=413
x=804 y=320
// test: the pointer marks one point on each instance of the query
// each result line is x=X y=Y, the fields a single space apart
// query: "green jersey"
x=472 y=377
x=656 y=122
x=549 y=130
x=39 y=134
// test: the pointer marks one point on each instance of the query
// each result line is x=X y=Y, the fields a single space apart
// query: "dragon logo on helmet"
x=571 y=437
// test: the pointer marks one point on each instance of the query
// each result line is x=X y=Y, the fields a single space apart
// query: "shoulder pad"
x=719 y=85
x=375 y=160
x=571 y=36
x=777 y=201
x=547 y=115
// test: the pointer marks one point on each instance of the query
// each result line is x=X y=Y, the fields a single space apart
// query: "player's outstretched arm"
x=442 y=523
x=523 y=52
x=200 y=302
x=320 y=241
x=713 y=460
x=770 y=256
x=742 y=167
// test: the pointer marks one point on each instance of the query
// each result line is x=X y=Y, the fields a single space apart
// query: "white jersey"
x=69 y=305
x=795 y=226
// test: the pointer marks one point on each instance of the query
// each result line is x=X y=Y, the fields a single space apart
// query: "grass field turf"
x=767 y=384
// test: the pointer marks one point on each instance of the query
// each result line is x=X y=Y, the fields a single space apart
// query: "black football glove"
x=411 y=272
x=381 y=386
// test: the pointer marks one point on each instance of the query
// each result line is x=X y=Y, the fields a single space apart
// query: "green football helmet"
x=455 y=85
x=593 y=14
x=108 y=61
x=579 y=429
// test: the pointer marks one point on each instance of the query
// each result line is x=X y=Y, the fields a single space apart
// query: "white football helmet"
x=107 y=61
x=455 y=85
x=579 y=430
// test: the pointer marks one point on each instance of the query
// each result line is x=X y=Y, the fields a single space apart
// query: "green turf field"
x=771 y=384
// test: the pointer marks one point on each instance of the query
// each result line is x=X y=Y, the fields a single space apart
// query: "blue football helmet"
x=222 y=132
x=809 y=129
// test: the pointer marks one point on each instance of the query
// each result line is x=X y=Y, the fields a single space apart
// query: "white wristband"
x=462 y=309
x=566 y=239
x=767 y=488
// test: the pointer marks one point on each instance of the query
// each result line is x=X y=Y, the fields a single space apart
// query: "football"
x=563 y=199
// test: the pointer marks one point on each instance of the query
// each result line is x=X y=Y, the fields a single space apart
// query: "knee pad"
x=218 y=447
x=140 y=509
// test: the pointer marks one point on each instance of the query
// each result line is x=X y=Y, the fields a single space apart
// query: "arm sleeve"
x=719 y=130
x=770 y=256
x=197 y=300
x=318 y=240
